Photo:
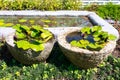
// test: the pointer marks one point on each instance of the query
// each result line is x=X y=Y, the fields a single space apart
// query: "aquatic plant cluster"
x=31 y=37
x=92 y=38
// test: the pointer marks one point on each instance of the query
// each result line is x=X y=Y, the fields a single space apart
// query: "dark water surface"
x=45 y=21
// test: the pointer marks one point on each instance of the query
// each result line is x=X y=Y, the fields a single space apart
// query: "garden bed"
x=57 y=66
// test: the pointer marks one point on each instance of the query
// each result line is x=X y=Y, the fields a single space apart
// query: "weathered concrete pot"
x=83 y=58
x=29 y=57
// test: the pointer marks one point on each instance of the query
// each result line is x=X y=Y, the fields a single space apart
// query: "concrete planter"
x=82 y=57
x=29 y=57
x=93 y=18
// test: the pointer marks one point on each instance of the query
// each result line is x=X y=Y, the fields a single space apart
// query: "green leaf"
x=45 y=35
x=85 y=42
x=73 y=43
x=48 y=38
x=2 y=23
x=96 y=39
x=23 y=44
x=37 y=48
x=34 y=33
x=95 y=47
x=26 y=28
x=86 y=30
x=112 y=37
x=2 y=20
x=92 y=46
x=36 y=27
x=36 y=45
x=78 y=44
x=20 y=35
x=96 y=28
x=104 y=34
x=96 y=34
x=9 y=24
x=46 y=21
x=32 y=21
x=17 y=27
x=22 y=20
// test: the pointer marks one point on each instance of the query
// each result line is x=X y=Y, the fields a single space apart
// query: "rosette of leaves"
x=33 y=37
x=93 y=38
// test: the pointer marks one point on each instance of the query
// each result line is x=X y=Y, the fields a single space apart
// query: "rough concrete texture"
x=44 y=13
x=29 y=56
x=5 y=32
x=82 y=57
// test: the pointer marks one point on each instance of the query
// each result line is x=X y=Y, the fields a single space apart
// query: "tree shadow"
x=56 y=58
x=8 y=58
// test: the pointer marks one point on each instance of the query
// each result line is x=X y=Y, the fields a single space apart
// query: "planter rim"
x=29 y=56
x=10 y=40
x=63 y=42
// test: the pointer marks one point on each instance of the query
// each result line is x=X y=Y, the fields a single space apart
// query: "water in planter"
x=45 y=21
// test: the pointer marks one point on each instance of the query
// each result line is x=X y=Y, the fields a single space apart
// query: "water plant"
x=92 y=38
x=31 y=37
x=30 y=44
x=22 y=20
x=87 y=47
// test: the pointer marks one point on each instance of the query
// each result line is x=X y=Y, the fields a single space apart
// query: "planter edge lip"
x=10 y=41
x=62 y=42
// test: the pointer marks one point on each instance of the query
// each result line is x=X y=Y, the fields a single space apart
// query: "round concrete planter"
x=29 y=56
x=83 y=58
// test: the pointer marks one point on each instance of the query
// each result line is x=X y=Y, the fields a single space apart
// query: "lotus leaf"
x=99 y=38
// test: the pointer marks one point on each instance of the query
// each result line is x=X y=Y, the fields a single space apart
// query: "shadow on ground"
x=56 y=58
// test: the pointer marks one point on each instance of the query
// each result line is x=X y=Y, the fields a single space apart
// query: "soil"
x=116 y=52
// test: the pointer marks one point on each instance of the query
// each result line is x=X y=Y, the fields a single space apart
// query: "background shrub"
x=108 y=11
x=40 y=4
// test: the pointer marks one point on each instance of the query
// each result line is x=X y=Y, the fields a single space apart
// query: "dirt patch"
x=116 y=52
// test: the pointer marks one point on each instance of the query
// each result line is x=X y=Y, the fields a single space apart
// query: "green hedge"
x=108 y=11
x=57 y=67
x=40 y=4
x=108 y=70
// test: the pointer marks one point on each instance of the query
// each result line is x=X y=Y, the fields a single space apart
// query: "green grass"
x=57 y=67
